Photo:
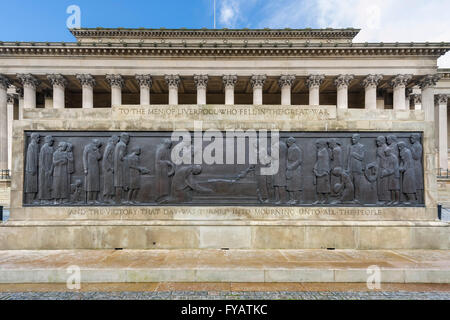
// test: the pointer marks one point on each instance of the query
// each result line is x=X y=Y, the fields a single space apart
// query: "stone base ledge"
x=101 y=266
x=20 y=235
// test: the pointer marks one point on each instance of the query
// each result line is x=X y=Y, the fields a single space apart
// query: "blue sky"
x=380 y=20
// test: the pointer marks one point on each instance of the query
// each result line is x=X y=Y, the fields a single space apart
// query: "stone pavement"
x=212 y=265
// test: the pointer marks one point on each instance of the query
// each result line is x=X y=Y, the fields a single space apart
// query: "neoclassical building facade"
x=111 y=67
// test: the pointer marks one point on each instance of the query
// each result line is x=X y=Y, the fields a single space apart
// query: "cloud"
x=379 y=20
x=229 y=13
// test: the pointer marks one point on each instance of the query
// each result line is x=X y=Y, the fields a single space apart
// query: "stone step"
x=125 y=266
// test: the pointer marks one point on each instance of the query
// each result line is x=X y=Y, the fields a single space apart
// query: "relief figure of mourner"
x=392 y=172
x=119 y=166
x=164 y=169
x=294 y=171
x=46 y=170
x=91 y=158
x=382 y=181
x=336 y=160
x=31 y=170
x=279 y=179
x=408 y=173
x=344 y=187
x=416 y=152
x=184 y=184
x=355 y=165
x=321 y=172
x=108 y=169
x=134 y=174
x=60 y=189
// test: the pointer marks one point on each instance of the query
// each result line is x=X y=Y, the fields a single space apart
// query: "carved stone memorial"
x=139 y=168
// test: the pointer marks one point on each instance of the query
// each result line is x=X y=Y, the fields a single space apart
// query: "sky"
x=380 y=20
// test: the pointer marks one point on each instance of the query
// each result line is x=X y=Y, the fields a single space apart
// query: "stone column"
x=427 y=84
x=285 y=82
x=4 y=84
x=257 y=82
x=19 y=92
x=341 y=82
x=399 y=83
x=417 y=98
x=313 y=82
x=370 y=85
x=10 y=111
x=29 y=83
x=229 y=81
x=116 y=82
x=145 y=84
x=441 y=100
x=173 y=82
x=201 y=82
x=87 y=82
x=59 y=85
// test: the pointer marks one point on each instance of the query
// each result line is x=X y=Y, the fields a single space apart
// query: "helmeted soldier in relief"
x=279 y=179
x=60 y=189
x=31 y=169
x=321 y=172
x=91 y=158
x=416 y=152
x=46 y=170
x=294 y=171
x=382 y=181
x=164 y=169
x=108 y=169
x=408 y=173
x=119 y=166
x=355 y=165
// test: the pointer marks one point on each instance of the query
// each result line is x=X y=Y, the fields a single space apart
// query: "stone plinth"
x=216 y=227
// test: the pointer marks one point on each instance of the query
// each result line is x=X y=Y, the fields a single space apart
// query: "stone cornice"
x=349 y=33
x=228 y=49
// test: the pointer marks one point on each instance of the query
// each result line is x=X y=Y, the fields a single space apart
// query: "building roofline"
x=329 y=33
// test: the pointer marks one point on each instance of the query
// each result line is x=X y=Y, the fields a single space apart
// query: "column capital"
x=343 y=80
x=286 y=80
x=172 y=80
x=314 y=80
x=400 y=80
x=417 y=98
x=229 y=80
x=86 y=80
x=4 y=82
x=19 y=92
x=201 y=80
x=115 y=80
x=28 y=80
x=441 y=98
x=429 y=80
x=144 y=80
x=57 y=80
x=257 y=81
x=11 y=98
x=371 y=80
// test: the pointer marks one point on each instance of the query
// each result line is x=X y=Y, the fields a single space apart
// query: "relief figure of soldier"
x=184 y=184
x=120 y=152
x=60 y=188
x=391 y=171
x=336 y=160
x=294 y=172
x=164 y=170
x=416 y=152
x=91 y=158
x=321 y=172
x=383 y=181
x=355 y=165
x=263 y=182
x=108 y=169
x=279 y=179
x=31 y=169
x=408 y=173
x=134 y=174
x=46 y=170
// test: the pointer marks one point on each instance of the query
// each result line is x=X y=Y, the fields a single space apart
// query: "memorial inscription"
x=139 y=168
